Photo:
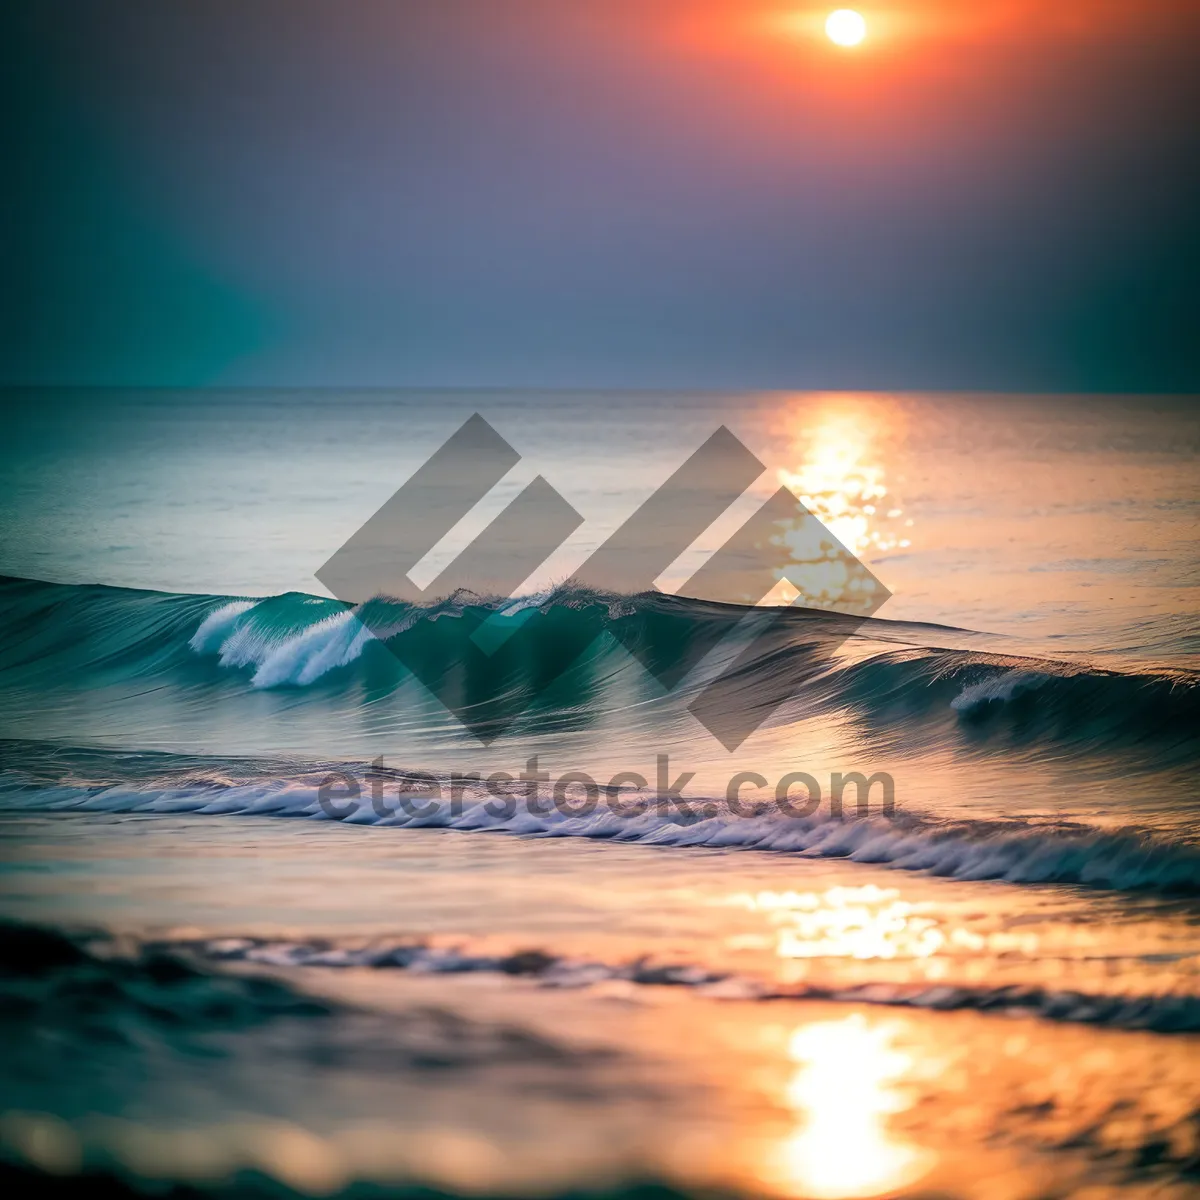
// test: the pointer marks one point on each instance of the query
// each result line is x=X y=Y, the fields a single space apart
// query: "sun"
x=846 y=27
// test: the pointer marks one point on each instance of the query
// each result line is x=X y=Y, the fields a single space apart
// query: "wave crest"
x=894 y=689
x=1013 y=851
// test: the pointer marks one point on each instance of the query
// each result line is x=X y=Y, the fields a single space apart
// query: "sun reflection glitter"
x=846 y=922
x=840 y=484
x=840 y=481
x=843 y=1089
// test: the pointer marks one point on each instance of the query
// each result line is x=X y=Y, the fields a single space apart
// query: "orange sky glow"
x=932 y=21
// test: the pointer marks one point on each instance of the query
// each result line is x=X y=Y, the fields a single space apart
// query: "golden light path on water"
x=835 y=443
x=844 y=1088
x=866 y=922
x=847 y=1073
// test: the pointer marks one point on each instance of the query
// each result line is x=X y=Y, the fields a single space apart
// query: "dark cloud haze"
x=998 y=195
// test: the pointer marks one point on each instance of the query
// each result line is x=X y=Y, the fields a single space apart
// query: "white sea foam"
x=305 y=656
x=1114 y=860
x=1000 y=688
x=218 y=625
x=296 y=659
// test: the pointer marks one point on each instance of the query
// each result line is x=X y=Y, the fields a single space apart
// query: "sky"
x=987 y=195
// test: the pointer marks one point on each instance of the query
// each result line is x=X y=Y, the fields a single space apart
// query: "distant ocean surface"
x=996 y=961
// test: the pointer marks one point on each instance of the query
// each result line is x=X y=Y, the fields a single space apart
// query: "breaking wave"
x=174 y=966
x=207 y=650
x=40 y=778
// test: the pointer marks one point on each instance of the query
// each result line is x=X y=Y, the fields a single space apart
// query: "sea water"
x=983 y=981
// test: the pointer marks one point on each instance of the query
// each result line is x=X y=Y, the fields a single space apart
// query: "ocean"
x=927 y=923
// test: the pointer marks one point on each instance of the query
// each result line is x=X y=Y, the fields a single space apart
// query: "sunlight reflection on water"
x=842 y=1091
x=840 y=475
x=846 y=922
x=836 y=444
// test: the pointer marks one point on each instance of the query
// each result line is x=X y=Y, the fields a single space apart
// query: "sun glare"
x=846 y=27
